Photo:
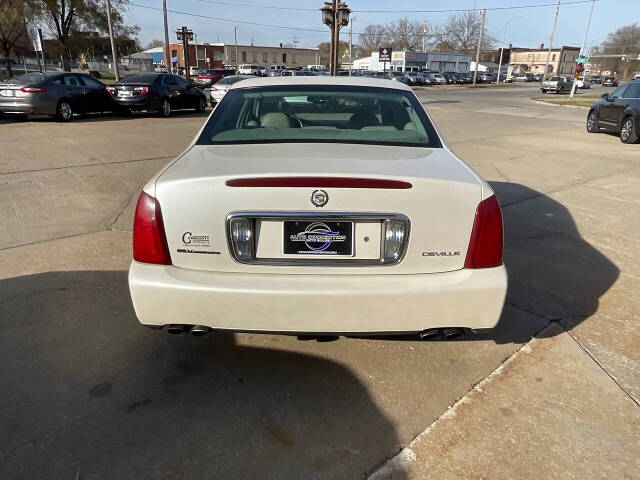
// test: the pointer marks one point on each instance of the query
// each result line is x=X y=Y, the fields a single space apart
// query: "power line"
x=229 y=20
x=462 y=10
x=302 y=29
x=270 y=7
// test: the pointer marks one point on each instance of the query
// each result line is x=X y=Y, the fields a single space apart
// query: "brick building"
x=561 y=60
x=203 y=55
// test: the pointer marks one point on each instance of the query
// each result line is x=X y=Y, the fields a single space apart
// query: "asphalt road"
x=90 y=394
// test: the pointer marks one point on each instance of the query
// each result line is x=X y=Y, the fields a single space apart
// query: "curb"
x=407 y=456
x=557 y=104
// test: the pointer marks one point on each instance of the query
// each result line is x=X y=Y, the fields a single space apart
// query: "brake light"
x=33 y=89
x=486 y=243
x=112 y=90
x=141 y=90
x=149 y=238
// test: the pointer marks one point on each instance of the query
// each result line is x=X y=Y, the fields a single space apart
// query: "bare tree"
x=626 y=42
x=15 y=16
x=461 y=33
x=372 y=38
x=64 y=18
x=155 y=43
x=405 y=34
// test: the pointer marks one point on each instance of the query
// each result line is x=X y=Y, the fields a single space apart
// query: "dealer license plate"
x=318 y=238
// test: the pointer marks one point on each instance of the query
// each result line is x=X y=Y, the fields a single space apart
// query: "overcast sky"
x=528 y=27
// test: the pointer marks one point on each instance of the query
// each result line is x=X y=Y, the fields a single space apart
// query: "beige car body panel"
x=422 y=291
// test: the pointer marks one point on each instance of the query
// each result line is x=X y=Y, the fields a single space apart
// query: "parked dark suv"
x=618 y=111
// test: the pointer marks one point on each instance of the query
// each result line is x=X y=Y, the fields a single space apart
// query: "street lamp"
x=335 y=14
x=504 y=39
x=327 y=14
x=185 y=36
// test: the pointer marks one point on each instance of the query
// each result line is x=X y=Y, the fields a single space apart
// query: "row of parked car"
x=62 y=95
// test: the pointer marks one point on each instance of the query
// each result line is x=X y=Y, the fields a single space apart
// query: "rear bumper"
x=140 y=103
x=358 y=303
x=18 y=107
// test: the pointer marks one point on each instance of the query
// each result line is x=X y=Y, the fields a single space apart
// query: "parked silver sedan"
x=57 y=94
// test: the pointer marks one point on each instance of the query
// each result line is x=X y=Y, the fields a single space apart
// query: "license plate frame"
x=318 y=238
x=7 y=93
x=125 y=93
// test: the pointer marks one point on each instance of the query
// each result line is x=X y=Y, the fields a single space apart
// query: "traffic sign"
x=384 y=54
x=582 y=60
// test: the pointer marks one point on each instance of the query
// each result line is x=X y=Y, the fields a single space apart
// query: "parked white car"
x=318 y=205
x=220 y=88
x=255 y=70
x=582 y=83
x=194 y=71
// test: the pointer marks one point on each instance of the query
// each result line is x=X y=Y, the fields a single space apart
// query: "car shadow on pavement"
x=554 y=274
x=87 y=391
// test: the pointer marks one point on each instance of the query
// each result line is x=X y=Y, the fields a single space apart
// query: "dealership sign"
x=384 y=54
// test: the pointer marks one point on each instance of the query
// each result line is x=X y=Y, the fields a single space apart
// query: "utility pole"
x=475 y=72
x=351 y=44
x=335 y=40
x=235 y=37
x=424 y=36
x=167 y=53
x=553 y=32
x=584 y=42
x=44 y=62
x=113 y=44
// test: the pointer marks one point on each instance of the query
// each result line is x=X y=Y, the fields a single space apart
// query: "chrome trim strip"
x=329 y=216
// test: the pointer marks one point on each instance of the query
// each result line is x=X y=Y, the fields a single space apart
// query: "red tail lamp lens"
x=486 y=243
x=149 y=239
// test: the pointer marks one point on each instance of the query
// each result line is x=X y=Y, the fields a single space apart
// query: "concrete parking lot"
x=553 y=391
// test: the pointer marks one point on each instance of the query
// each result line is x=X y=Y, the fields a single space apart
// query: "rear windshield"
x=318 y=113
x=140 y=78
x=29 y=78
x=233 y=79
x=555 y=79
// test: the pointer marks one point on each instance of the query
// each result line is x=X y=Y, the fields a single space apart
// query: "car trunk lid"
x=200 y=191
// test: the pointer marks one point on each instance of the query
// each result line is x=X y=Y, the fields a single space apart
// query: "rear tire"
x=202 y=105
x=165 y=108
x=543 y=90
x=592 y=122
x=64 y=112
x=628 y=131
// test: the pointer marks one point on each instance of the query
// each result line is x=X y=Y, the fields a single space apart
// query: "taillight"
x=394 y=240
x=486 y=243
x=141 y=90
x=149 y=239
x=33 y=89
x=241 y=238
x=112 y=90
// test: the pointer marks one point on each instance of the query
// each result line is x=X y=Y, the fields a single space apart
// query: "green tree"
x=324 y=51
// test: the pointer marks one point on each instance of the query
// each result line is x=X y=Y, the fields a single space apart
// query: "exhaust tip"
x=429 y=334
x=452 y=333
x=200 y=330
x=177 y=329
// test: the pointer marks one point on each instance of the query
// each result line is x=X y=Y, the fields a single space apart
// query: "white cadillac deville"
x=318 y=206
